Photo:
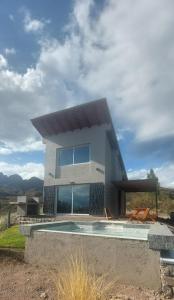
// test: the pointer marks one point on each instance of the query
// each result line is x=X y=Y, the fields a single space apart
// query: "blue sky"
x=26 y=46
x=55 y=54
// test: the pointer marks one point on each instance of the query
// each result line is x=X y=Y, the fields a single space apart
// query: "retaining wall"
x=122 y=260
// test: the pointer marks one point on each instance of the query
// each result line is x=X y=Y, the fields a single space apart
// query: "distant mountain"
x=16 y=185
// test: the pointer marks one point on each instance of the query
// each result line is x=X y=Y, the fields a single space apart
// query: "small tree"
x=151 y=175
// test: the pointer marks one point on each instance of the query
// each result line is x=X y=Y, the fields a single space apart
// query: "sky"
x=56 y=54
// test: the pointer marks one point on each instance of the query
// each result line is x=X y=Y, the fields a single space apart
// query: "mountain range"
x=16 y=185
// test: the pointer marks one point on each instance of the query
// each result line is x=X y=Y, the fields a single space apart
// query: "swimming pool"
x=127 y=252
x=114 y=230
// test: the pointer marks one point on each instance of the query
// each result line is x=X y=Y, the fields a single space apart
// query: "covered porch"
x=139 y=185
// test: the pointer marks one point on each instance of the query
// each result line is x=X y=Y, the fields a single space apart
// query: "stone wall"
x=167 y=280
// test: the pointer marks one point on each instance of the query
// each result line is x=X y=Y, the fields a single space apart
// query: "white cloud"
x=33 y=25
x=11 y=17
x=137 y=174
x=102 y=56
x=165 y=174
x=9 y=51
x=27 y=146
x=124 y=53
x=3 y=62
x=122 y=56
x=120 y=132
x=26 y=171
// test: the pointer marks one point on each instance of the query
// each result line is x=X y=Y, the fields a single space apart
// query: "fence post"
x=8 y=217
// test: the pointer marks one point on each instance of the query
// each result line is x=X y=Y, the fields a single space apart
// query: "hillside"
x=165 y=200
x=16 y=185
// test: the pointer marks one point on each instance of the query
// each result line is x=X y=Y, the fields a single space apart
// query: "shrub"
x=76 y=282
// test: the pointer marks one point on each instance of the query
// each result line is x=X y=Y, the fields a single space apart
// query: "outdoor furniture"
x=142 y=214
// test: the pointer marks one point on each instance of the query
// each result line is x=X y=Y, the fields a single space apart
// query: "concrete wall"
x=124 y=261
x=91 y=172
x=22 y=199
x=113 y=172
x=22 y=210
x=113 y=165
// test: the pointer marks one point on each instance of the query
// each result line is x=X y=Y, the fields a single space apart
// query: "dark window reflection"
x=81 y=199
x=66 y=157
x=64 y=203
x=73 y=199
x=81 y=154
x=74 y=155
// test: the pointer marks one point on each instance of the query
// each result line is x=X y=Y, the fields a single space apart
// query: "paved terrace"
x=27 y=220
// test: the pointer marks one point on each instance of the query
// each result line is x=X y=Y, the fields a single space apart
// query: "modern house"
x=82 y=161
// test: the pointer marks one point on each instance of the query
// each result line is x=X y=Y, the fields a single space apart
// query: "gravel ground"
x=20 y=281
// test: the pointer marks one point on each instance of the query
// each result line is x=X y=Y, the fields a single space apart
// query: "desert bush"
x=165 y=201
x=140 y=200
x=76 y=282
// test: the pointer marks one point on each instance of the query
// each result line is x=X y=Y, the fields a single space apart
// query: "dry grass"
x=78 y=283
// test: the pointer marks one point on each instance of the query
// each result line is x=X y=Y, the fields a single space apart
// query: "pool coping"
x=160 y=237
x=26 y=229
x=93 y=235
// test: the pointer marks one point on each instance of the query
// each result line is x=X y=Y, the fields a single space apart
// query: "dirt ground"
x=20 y=281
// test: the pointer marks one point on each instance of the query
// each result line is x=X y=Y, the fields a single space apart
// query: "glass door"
x=64 y=199
x=81 y=199
x=73 y=199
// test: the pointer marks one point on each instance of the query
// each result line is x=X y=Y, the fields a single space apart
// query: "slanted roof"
x=77 y=117
x=139 y=185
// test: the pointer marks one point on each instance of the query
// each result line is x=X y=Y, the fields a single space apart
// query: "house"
x=82 y=161
x=28 y=206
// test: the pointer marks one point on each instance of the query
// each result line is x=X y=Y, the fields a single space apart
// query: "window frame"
x=58 y=150
x=72 y=199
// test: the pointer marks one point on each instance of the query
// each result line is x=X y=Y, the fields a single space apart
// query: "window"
x=64 y=201
x=74 y=155
x=66 y=157
x=81 y=199
x=73 y=199
x=81 y=154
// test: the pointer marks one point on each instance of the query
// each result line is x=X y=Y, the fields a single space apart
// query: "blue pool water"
x=126 y=231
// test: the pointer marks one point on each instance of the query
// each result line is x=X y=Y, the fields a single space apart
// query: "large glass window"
x=74 y=155
x=66 y=156
x=64 y=201
x=81 y=199
x=81 y=154
x=73 y=199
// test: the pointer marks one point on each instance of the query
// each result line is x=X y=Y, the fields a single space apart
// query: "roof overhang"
x=77 y=117
x=139 y=185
